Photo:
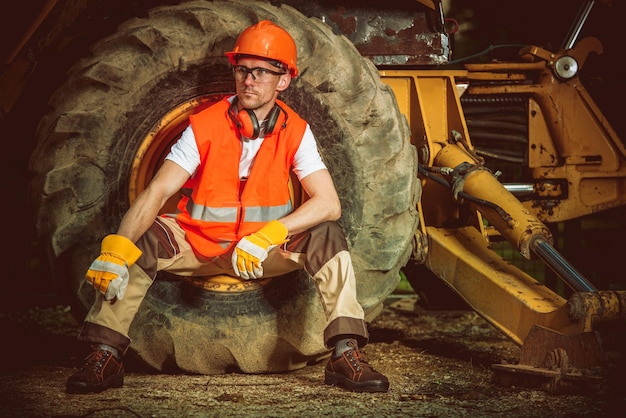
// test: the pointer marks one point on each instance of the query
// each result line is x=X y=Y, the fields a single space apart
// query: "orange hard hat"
x=269 y=41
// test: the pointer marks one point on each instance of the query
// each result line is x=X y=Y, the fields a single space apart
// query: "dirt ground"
x=438 y=364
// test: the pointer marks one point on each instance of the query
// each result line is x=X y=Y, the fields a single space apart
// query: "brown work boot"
x=100 y=371
x=352 y=372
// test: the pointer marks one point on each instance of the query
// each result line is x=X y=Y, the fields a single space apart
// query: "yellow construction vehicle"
x=576 y=166
x=99 y=92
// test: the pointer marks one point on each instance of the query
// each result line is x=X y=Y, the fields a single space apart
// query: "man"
x=235 y=217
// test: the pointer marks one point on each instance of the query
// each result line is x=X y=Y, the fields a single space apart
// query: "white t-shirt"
x=306 y=161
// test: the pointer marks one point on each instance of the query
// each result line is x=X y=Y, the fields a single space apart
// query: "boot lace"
x=96 y=360
x=358 y=359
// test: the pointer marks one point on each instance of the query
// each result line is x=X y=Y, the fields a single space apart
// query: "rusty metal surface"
x=557 y=360
x=591 y=308
x=393 y=33
x=541 y=349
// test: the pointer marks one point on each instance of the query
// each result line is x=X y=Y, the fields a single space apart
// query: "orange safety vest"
x=212 y=211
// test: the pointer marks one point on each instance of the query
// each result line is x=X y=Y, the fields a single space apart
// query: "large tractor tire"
x=115 y=118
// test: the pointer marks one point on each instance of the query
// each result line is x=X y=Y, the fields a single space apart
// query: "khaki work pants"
x=321 y=251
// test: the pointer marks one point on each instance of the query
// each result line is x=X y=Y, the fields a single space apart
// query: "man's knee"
x=325 y=237
x=320 y=243
x=330 y=235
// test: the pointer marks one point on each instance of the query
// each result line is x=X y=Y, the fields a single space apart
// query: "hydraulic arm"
x=464 y=205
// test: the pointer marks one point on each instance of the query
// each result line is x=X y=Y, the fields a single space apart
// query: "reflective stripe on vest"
x=252 y=214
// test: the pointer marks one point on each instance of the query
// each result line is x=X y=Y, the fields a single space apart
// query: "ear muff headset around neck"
x=246 y=121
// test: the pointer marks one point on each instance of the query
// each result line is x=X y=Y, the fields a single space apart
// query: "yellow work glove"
x=252 y=250
x=109 y=272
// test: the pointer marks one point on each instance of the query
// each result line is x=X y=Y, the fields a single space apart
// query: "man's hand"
x=109 y=272
x=252 y=250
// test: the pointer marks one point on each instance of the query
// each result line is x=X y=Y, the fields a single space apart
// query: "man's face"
x=260 y=94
